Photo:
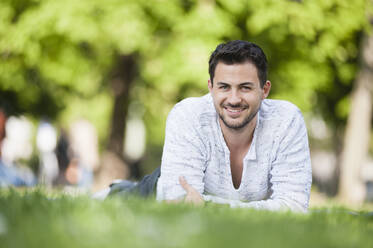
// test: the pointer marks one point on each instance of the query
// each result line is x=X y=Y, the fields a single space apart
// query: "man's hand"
x=192 y=196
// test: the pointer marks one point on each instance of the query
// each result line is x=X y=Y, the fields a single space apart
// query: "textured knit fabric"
x=276 y=169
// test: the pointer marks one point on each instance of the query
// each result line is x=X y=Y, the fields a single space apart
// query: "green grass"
x=39 y=219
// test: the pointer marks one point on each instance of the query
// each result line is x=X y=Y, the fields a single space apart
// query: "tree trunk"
x=113 y=165
x=123 y=77
x=357 y=135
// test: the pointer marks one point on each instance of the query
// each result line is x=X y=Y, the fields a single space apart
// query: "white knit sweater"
x=276 y=170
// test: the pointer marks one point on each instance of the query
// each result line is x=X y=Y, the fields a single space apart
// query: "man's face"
x=237 y=94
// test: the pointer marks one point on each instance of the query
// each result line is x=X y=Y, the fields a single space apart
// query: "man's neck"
x=239 y=139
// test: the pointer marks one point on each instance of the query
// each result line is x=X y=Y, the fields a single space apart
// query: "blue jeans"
x=145 y=188
x=11 y=176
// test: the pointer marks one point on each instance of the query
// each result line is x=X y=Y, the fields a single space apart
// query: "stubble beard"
x=244 y=123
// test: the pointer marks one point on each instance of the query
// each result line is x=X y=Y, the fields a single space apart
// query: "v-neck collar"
x=251 y=153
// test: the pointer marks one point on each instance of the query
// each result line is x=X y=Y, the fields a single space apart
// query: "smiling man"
x=233 y=146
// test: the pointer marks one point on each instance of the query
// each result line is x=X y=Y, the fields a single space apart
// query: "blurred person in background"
x=77 y=155
x=63 y=154
x=3 y=119
x=10 y=173
x=84 y=147
x=46 y=141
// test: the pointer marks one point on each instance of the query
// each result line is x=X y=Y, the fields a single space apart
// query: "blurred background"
x=86 y=86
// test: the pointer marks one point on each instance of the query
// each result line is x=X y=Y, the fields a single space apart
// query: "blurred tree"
x=357 y=136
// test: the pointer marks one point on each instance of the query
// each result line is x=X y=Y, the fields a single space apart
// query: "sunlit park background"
x=86 y=86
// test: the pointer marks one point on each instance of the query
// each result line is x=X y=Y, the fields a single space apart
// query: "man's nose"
x=234 y=97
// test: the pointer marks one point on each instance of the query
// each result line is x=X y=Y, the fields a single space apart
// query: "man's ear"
x=209 y=85
x=266 y=89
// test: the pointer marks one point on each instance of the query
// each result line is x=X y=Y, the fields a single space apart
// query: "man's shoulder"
x=192 y=113
x=194 y=106
x=278 y=109
x=192 y=102
x=280 y=118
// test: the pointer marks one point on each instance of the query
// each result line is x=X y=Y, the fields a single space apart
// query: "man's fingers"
x=184 y=184
x=192 y=195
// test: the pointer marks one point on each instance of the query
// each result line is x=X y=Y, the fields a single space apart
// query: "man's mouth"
x=234 y=112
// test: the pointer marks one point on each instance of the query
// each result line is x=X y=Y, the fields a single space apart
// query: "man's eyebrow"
x=247 y=83
x=222 y=83
x=241 y=84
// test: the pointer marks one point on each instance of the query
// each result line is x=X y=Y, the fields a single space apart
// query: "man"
x=233 y=146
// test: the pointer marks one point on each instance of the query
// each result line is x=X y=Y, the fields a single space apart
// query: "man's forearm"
x=269 y=204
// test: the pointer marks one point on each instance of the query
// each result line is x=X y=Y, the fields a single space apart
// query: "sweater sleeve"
x=183 y=155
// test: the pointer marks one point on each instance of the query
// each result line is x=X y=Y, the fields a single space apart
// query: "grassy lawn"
x=39 y=219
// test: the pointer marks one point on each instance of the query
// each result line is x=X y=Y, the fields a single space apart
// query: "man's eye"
x=223 y=87
x=246 y=88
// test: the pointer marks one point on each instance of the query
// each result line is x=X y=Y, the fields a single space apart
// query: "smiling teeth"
x=234 y=110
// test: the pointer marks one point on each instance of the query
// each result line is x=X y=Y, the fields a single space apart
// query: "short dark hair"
x=237 y=52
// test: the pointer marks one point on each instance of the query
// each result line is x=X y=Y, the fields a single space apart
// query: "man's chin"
x=234 y=125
